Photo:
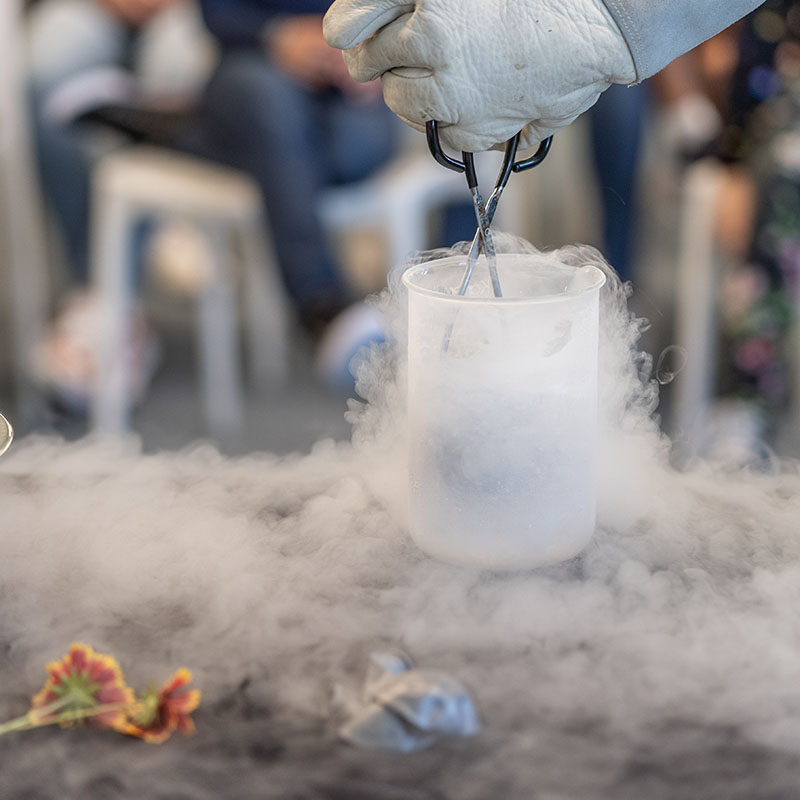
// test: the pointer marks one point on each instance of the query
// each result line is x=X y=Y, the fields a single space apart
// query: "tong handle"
x=435 y=146
x=536 y=159
x=468 y=166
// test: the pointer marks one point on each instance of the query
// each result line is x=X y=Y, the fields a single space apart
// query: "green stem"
x=29 y=720
x=84 y=713
x=19 y=724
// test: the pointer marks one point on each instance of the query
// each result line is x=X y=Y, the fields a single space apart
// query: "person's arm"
x=658 y=31
x=289 y=32
x=238 y=23
x=136 y=12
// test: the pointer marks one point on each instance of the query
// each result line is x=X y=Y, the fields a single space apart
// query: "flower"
x=83 y=685
x=160 y=712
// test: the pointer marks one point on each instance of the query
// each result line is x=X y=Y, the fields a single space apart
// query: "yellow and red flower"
x=161 y=712
x=86 y=685
x=89 y=686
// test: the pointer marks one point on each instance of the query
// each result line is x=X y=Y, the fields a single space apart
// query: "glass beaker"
x=6 y=434
x=502 y=410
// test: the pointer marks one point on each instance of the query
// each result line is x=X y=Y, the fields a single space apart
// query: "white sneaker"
x=64 y=362
x=735 y=435
x=347 y=338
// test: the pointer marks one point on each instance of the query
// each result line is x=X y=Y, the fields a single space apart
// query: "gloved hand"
x=484 y=69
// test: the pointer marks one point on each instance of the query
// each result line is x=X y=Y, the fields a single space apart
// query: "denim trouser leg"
x=293 y=142
x=616 y=130
x=358 y=137
x=65 y=39
x=65 y=170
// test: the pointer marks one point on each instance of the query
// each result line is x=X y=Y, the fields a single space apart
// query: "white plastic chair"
x=148 y=182
x=400 y=198
x=22 y=226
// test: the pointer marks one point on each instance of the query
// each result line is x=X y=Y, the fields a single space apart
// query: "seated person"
x=81 y=51
x=282 y=107
x=69 y=39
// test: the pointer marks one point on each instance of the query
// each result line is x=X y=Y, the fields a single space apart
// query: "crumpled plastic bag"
x=408 y=709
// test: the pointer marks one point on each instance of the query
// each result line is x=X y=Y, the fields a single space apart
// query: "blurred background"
x=195 y=200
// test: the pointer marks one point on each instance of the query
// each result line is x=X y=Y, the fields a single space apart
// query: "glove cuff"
x=618 y=62
x=658 y=31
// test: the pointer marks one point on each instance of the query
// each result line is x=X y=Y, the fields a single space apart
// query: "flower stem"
x=19 y=724
x=29 y=720
x=85 y=713
x=47 y=715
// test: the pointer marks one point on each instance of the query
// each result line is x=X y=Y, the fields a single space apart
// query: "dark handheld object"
x=484 y=211
x=467 y=166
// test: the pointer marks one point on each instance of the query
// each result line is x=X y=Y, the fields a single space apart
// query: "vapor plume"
x=661 y=663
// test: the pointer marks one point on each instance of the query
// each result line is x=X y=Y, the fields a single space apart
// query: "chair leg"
x=407 y=231
x=110 y=273
x=516 y=210
x=217 y=333
x=696 y=302
x=795 y=351
x=266 y=307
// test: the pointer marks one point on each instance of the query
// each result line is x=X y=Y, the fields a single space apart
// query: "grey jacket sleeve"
x=658 y=31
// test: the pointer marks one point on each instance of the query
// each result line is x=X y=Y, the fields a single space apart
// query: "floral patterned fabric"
x=763 y=134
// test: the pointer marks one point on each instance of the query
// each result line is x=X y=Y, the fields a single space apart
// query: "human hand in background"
x=137 y=12
x=484 y=69
x=297 y=46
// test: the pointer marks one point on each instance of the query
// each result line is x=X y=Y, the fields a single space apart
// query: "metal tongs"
x=484 y=211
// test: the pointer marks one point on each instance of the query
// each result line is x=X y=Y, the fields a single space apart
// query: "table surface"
x=661 y=663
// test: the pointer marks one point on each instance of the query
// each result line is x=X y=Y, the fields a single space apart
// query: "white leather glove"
x=484 y=69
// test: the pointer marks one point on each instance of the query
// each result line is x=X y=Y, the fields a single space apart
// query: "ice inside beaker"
x=503 y=410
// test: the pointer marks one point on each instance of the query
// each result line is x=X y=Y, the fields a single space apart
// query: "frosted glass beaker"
x=502 y=409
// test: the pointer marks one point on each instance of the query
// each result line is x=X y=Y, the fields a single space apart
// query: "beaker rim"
x=596 y=283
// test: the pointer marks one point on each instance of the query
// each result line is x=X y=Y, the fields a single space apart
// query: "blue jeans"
x=294 y=143
x=67 y=38
x=65 y=166
x=65 y=169
x=616 y=133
